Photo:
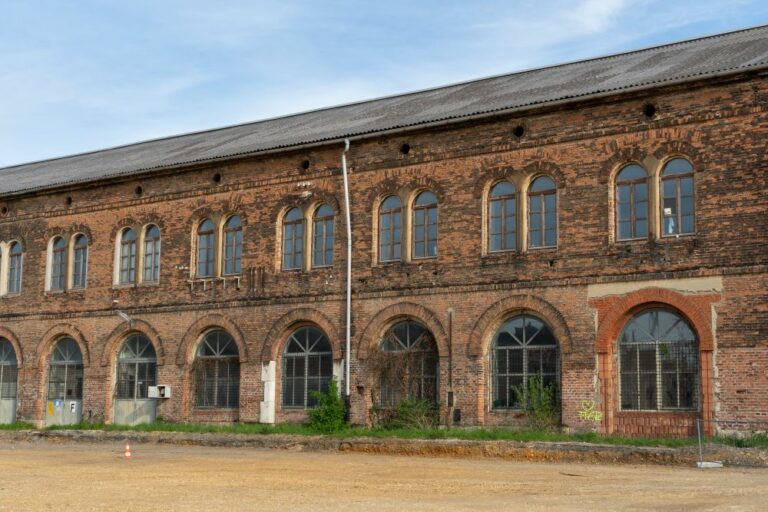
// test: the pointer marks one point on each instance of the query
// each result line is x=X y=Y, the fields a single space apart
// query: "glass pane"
x=542 y=183
x=502 y=188
x=632 y=172
x=677 y=166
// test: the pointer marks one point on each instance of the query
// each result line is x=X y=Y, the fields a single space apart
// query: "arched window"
x=206 y=249
x=58 y=264
x=128 y=256
x=136 y=368
x=524 y=347
x=677 y=210
x=502 y=217
x=631 y=203
x=542 y=213
x=390 y=229
x=658 y=362
x=15 y=268
x=293 y=239
x=80 y=263
x=233 y=245
x=322 y=237
x=307 y=366
x=425 y=226
x=409 y=368
x=151 y=268
x=217 y=372
x=65 y=373
x=8 y=370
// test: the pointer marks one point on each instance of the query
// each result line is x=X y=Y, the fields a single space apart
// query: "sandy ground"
x=74 y=476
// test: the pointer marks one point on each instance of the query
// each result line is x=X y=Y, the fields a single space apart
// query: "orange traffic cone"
x=127 y=452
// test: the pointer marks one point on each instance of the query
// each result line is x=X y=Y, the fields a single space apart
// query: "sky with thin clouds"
x=83 y=75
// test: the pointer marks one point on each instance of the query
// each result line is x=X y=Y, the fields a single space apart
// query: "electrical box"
x=160 y=391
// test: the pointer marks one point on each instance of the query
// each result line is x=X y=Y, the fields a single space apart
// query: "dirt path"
x=75 y=476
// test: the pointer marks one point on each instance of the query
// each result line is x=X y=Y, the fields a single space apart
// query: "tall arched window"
x=658 y=362
x=206 y=249
x=80 y=263
x=631 y=203
x=58 y=264
x=65 y=373
x=502 y=217
x=677 y=211
x=524 y=347
x=425 y=226
x=293 y=239
x=136 y=368
x=409 y=369
x=390 y=229
x=307 y=366
x=322 y=237
x=15 y=267
x=233 y=245
x=542 y=213
x=151 y=267
x=8 y=370
x=128 y=256
x=217 y=372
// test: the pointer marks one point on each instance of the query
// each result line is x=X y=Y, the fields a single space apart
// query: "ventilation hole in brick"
x=405 y=149
x=139 y=190
x=649 y=110
x=4 y=210
x=519 y=131
x=551 y=263
x=305 y=164
x=217 y=178
x=69 y=200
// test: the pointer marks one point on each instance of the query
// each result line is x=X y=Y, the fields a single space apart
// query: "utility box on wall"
x=160 y=391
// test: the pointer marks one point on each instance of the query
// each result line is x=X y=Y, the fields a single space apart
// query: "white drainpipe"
x=347 y=350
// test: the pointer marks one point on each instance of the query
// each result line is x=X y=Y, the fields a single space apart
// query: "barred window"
x=677 y=211
x=14 y=268
x=425 y=226
x=151 y=269
x=206 y=249
x=322 y=237
x=658 y=363
x=411 y=368
x=542 y=213
x=502 y=217
x=58 y=264
x=136 y=368
x=217 y=372
x=128 y=256
x=65 y=372
x=8 y=370
x=307 y=367
x=293 y=239
x=524 y=347
x=390 y=229
x=233 y=245
x=80 y=266
x=631 y=203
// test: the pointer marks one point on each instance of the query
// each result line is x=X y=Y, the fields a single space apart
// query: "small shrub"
x=329 y=415
x=414 y=413
x=539 y=403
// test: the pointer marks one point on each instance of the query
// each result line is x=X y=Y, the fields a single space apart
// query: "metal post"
x=701 y=451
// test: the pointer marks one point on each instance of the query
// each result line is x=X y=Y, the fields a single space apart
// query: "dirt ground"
x=77 y=476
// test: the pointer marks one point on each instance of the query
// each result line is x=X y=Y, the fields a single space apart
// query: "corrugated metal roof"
x=683 y=61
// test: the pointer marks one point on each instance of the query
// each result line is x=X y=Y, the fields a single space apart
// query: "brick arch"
x=680 y=148
x=53 y=335
x=422 y=184
x=191 y=338
x=620 y=158
x=485 y=326
x=543 y=167
x=321 y=196
x=388 y=187
x=278 y=334
x=491 y=176
x=695 y=309
x=126 y=222
x=118 y=335
x=370 y=338
x=10 y=336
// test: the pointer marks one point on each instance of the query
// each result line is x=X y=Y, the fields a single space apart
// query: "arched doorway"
x=65 y=384
x=136 y=372
x=8 y=381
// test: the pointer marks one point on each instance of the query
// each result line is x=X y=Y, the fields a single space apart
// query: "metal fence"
x=715 y=436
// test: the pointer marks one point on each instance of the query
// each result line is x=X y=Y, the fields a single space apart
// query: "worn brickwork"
x=720 y=126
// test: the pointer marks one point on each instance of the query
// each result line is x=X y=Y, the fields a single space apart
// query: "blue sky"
x=85 y=75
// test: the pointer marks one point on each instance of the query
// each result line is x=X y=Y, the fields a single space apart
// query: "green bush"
x=330 y=414
x=539 y=403
x=414 y=413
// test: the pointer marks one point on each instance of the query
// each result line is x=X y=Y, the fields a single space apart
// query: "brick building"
x=600 y=225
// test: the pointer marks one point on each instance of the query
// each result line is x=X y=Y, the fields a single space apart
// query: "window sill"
x=148 y=284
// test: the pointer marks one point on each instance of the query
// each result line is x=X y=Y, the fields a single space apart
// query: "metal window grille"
x=502 y=218
x=542 y=213
x=80 y=267
x=322 y=242
x=206 y=249
x=293 y=240
x=59 y=264
x=65 y=372
x=151 y=270
x=524 y=347
x=233 y=245
x=425 y=226
x=307 y=367
x=217 y=372
x=136 y=368
x=8 y=370
x=632 y=203
x=417 y=374
x=14 y=268
x=390 y=229
x=128 y=257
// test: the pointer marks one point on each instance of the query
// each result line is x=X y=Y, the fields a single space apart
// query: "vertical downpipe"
x=347 y=347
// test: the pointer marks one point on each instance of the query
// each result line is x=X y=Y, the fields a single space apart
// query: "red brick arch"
x=381 y=320
x=485 y=326
x=116 y=338
x=53 y=335
x=10 y=336
x=278 y=334
x=190 y=339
